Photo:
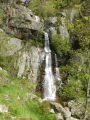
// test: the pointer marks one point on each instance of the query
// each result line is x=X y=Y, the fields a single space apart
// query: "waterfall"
x=57 y=70
x=48 y=82
x=46 y=47
x=37 y=18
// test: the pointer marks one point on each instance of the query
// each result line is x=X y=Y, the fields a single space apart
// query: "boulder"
x=59 y=116
x=9 y=45
x=52 y=111
x=3 y=109
x=14 y=44
x=51 y=20
x=77 y=108
x=31 y=96
x=71 y=118
x=58 y=108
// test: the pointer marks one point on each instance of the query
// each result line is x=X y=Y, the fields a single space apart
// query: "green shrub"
x=59 y=45
x=73 y=90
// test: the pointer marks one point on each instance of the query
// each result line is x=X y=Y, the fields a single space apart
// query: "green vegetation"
x=14 y=94
x=78 y=66
x=47 y=8
x=3 y=41
x=62 y=47
x=37 y=40
x=7 y=63
x=42 y=8
x=1 y=16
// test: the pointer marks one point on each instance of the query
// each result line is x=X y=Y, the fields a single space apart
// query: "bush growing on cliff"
x=47 y=8
x=78 y=67
x=62 y=47
x=76 y=85
x=42 y=8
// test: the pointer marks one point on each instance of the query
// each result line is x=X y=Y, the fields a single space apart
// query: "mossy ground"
x=13 y=94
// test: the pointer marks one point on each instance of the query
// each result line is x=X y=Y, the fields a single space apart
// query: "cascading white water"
x=48 y=82
x=37 y=18
x=57 y=70
x=46 y=47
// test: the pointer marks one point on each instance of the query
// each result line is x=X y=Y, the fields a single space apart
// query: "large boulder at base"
x=59 y=116
x=58 y=108
x=77 y=108
x=72 y=118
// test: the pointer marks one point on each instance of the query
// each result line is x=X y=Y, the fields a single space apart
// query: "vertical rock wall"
x=29 y=62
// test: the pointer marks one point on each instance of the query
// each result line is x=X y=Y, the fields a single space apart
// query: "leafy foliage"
x=59 y=45
x=42 y=9
x=78 y=67
x=47 y=8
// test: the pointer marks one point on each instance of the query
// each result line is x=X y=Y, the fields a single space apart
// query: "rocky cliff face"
x=21 y=24
x=29 y=63
x=59 y=24
x=19 y=28
x=26 y=59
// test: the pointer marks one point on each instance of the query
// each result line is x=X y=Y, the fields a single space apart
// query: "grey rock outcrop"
x=52 y=111
x=26 y=59
x=59 y=24
x=9 y=45
x=3 y=109
x=29 y=63
x=64 y=111
x=21 y=22
x=77 y=108
x=72 y=118
x=50 y=25
x=63 y=30
x=59 y=116
x=14 y=44
x=22 y=1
